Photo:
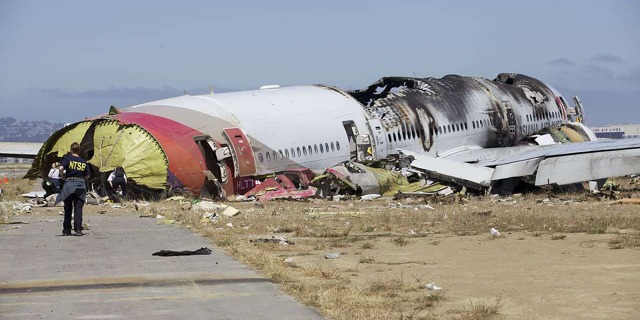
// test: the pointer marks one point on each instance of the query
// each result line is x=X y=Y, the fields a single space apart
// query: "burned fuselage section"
x=435 y=115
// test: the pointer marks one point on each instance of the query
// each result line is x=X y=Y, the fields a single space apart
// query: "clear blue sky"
x=67 y=60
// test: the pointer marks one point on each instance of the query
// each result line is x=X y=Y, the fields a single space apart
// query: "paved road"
x=110 y=274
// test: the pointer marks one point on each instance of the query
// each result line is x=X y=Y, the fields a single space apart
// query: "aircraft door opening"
x=215 y=173
x=352 y=133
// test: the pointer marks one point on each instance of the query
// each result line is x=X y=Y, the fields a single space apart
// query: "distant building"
x=15 y=160
x=623 y=131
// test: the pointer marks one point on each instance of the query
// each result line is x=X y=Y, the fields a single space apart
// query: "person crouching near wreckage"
x=74 y=192
x=117 y=178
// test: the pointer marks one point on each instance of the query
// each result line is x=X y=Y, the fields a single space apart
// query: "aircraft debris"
x=332 y=255
x=290 y=261
x=141 y=206
x=494 y=232
x=369 y=197
x=627 y=201
x=433 y=286
x=207 y=206
x=335 y=213
x=282 y=240
x=230 y=212
x=172 y=253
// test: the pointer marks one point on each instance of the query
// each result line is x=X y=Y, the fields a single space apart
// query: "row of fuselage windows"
x=298 y=152
x=412 y=133
x=543 y=116
x=462 y=126
x=477 y=124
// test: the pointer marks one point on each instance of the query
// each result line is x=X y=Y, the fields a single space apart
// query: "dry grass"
x=625 y=241
x=336 y=291
x=12 y=190
x=480 y=310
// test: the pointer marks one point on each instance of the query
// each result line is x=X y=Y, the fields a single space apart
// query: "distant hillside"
x=26 y=131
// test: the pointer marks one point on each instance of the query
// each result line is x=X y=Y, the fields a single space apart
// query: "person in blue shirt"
x=74 y=192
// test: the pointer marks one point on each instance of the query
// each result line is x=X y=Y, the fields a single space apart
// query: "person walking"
x=54 y=176
x=118 y=178
x=74 y=192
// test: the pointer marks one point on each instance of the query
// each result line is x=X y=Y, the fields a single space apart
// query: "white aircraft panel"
x=589 y=166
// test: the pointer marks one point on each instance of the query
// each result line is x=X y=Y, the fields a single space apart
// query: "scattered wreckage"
x=401 y=134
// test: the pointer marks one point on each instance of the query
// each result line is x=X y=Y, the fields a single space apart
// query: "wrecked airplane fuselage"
x=217 y=144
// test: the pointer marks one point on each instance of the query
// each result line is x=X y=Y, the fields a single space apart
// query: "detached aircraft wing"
x=27 y=150
x=560 y=164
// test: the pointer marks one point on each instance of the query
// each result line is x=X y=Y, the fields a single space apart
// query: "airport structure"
x=622 y=131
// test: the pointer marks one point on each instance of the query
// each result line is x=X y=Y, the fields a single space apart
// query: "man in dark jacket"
x=74 y=193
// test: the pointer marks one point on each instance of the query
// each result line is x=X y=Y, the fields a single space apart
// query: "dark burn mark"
x=130 y=284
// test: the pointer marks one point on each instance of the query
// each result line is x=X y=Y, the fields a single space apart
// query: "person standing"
x=118 y=178
x=54 y=176
x=74 y=192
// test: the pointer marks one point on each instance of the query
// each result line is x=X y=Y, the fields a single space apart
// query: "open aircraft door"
x=244 y=162
x=379 y=144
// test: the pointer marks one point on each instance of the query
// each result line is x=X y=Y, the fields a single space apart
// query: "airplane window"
x=304 y=150
x=338 y=145
x=466 y=126
x=260 y=158
x=332 y=147
x=275 y=155
x=394 y=138
x=388 y=134
x=299 y=152
x=315 y=148
x=326 y=147
x=268 y=156
x=310 y=150
x=404 y=134
x=413 y=132
x=473 y=124
x=321 y=148
x=286 y=153
x=449 y=128
x=281 y=154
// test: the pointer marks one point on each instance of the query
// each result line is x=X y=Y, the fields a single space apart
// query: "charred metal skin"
x=436 y=112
